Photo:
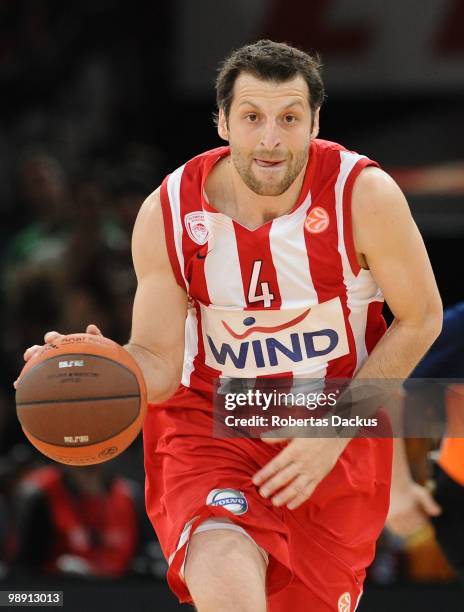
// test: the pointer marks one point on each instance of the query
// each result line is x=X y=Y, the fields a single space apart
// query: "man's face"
x=269 y=130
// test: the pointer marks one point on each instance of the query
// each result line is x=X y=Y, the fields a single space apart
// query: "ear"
x=222 y=128
x=315 y=128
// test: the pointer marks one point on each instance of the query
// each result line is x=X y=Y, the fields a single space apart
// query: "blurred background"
x=99 y=100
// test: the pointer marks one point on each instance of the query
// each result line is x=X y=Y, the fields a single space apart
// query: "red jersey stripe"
x=258 y=272
x=327 y=273
x=169 y=233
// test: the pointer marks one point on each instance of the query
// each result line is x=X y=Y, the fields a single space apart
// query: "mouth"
x=265 y=163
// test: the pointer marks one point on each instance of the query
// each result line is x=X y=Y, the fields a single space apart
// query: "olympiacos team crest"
x=196 y=227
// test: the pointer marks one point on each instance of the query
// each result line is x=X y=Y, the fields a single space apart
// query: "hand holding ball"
x=81 y=399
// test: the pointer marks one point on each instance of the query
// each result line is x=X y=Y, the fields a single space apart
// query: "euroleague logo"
x=317 y=220
x=230 y=499
x=344 y=602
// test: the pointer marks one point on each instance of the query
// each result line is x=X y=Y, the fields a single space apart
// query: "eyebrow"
x=294 y=103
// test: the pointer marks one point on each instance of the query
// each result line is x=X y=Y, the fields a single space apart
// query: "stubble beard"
x=244 y=166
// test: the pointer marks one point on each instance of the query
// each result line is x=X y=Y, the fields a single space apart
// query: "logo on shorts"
x=230 y=499
x=344 y=602
x=196 y=227
x=317 y=220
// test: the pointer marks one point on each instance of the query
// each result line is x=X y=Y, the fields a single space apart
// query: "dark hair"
x=269 y=61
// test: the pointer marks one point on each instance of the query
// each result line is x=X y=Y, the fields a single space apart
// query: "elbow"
x=434 y=322
x=165 y=385
x=162 y=375
x=160 y=395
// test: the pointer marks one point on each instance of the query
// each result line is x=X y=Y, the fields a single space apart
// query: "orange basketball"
x=81 y=400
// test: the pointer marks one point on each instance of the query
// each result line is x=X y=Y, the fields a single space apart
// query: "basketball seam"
x=98 y=441
x=77 y=399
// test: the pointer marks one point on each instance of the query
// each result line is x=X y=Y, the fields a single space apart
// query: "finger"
x=93 y=329
x=31 y=351
x=300 y=499
x=273 y=440
x=279 y=480
x=275 y=465
x=52 y=336
x=295 y=489
x=429 y=505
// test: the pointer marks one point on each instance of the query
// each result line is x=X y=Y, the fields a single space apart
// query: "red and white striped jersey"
x=287 y=298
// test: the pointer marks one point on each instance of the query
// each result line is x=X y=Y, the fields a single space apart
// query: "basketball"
x=81 y=400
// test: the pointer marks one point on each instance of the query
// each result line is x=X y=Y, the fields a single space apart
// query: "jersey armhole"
x=347 y=212
x=169 y=234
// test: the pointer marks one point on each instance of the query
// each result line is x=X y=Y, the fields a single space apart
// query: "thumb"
x=428 y=503
x=93 y=329
x=272 y=440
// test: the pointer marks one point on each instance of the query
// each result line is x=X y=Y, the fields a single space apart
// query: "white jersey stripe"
x=191 y=345
x=290 y=258
x=360 y=289
x=222 y=265
x=174 y=182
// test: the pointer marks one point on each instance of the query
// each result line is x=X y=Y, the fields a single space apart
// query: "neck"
x=231 y=196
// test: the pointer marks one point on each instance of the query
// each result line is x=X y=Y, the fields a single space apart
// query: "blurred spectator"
x=32 y=270
x=13 y=467
x=72 y=262
x=33 y=306
x=45 y=210
x=80 y=521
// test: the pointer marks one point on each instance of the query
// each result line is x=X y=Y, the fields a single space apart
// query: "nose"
x=270 y=137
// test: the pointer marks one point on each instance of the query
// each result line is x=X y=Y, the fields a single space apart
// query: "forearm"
x=162 y=377
x=400 y=349
x=392 y=360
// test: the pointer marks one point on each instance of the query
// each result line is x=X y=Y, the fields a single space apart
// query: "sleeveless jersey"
x=285 y=299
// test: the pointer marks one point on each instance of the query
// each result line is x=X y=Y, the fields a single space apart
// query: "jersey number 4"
x=253 y=296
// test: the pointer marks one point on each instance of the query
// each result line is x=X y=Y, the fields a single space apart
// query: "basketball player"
x=239 y=253
x=413 y=505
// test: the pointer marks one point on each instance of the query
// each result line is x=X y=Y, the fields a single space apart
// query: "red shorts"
x=318 y=552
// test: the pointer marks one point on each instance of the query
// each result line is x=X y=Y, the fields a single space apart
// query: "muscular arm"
x=160 y=306
x=389 y=244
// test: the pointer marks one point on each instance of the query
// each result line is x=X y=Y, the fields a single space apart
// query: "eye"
x=289 y=119
x=252 y=117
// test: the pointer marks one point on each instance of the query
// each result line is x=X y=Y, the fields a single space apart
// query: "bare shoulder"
x=148 y=241
x=379 y=209
x=150 y=212
x=373 y=189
